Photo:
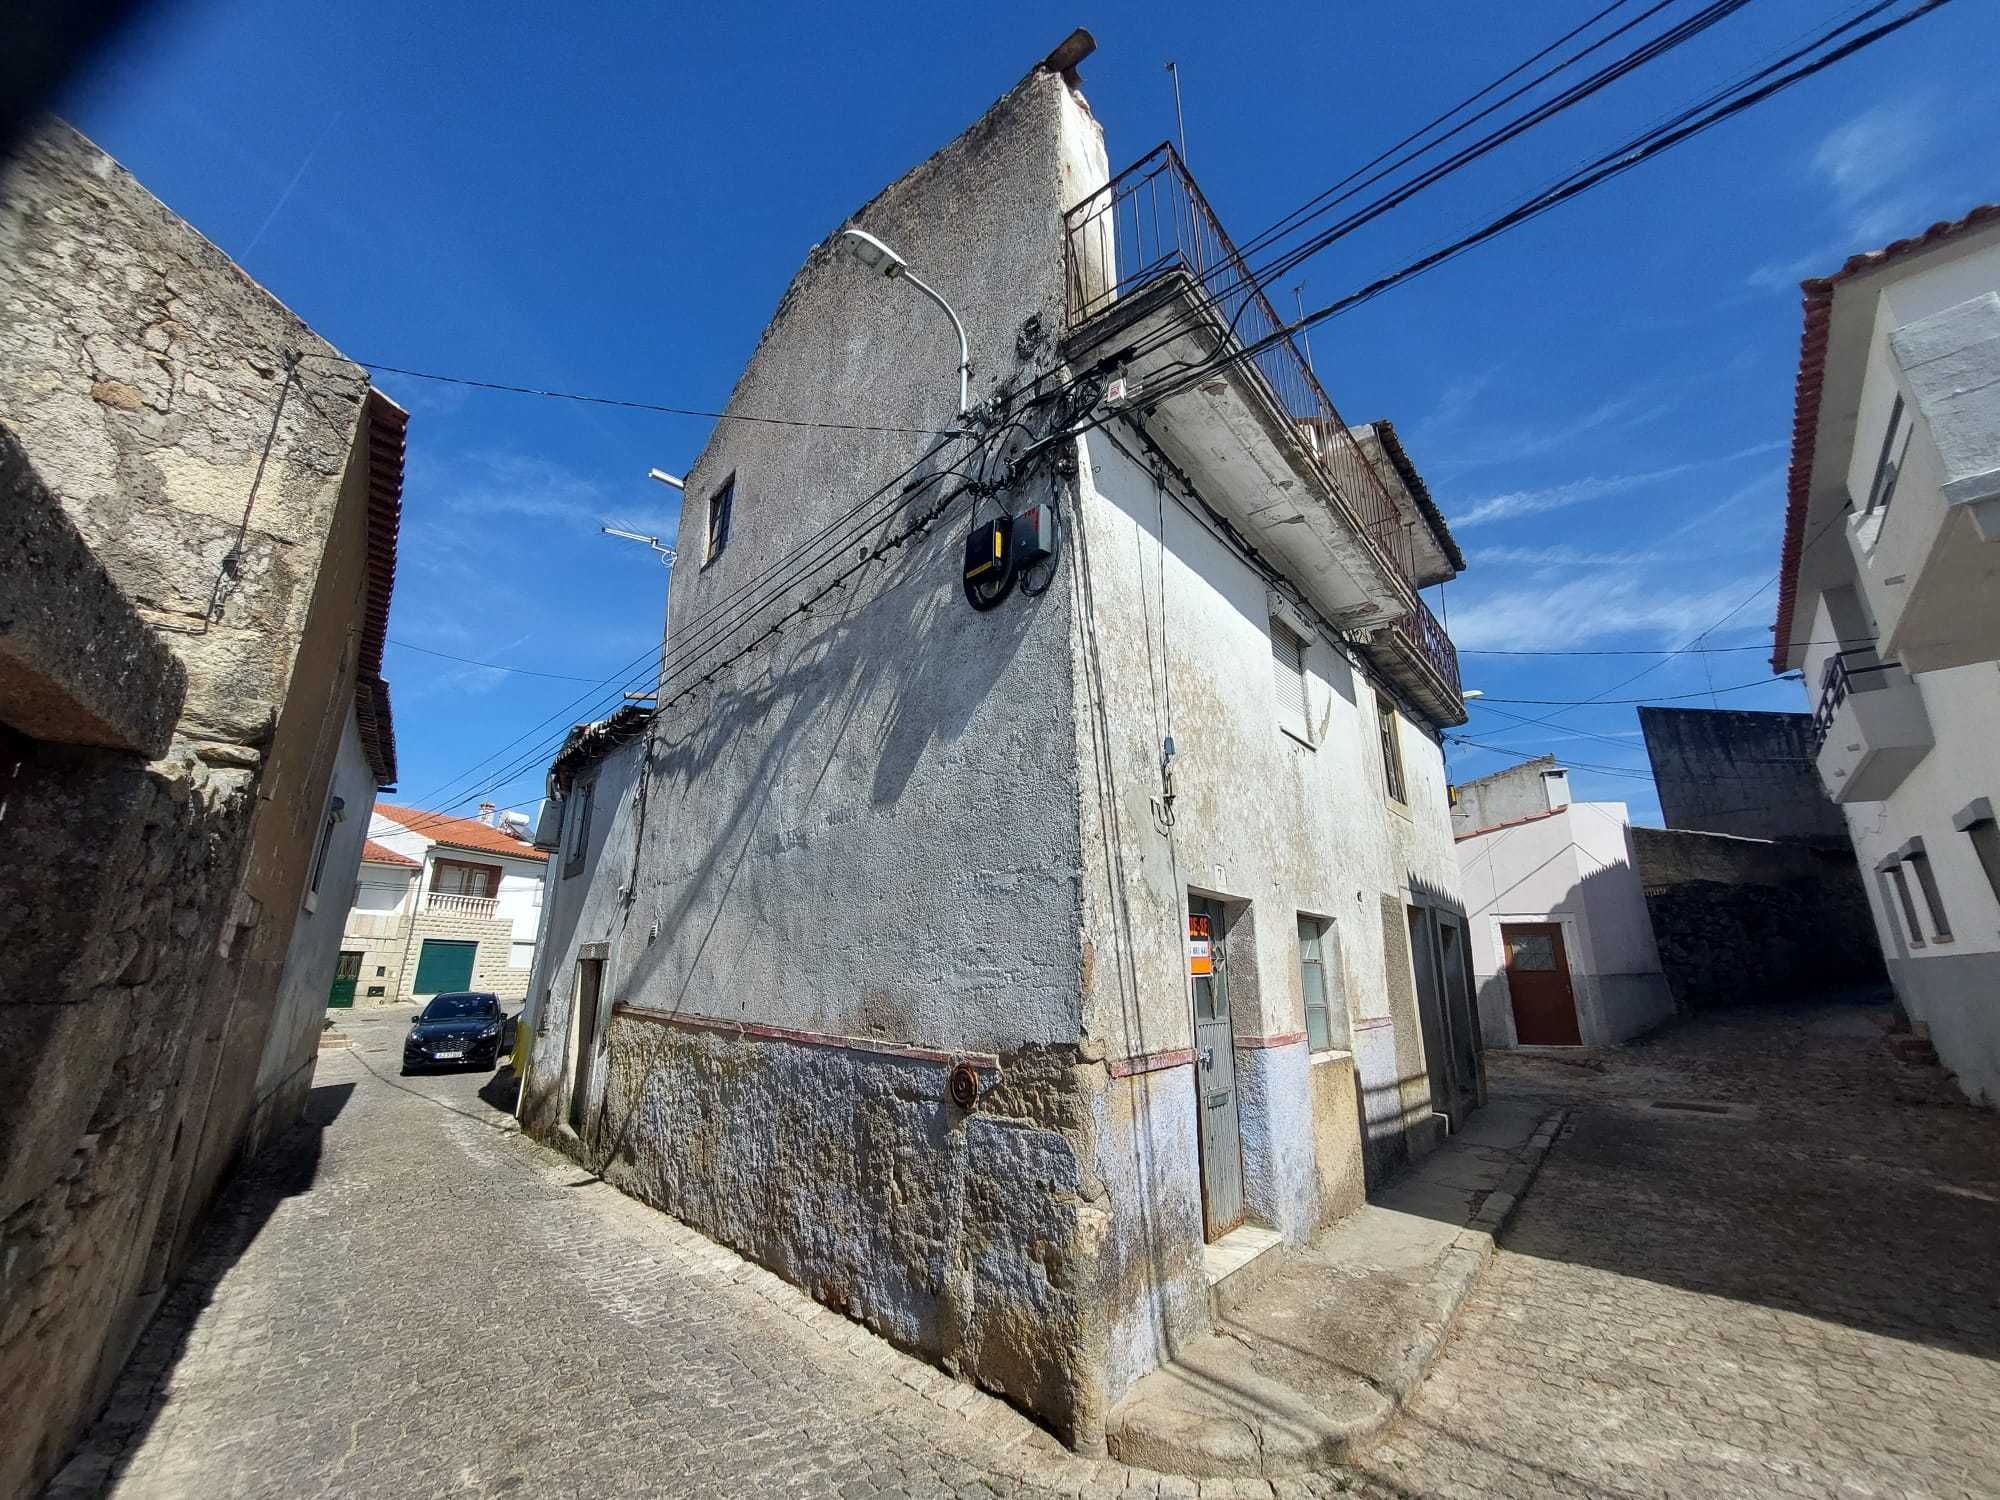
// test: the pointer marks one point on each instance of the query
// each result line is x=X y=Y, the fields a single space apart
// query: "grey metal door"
x=1215 y=1071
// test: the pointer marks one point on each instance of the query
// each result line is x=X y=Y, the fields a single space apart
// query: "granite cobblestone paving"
x=1792 y=1290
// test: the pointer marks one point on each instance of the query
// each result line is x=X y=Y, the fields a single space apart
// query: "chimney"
x=1556 y=783
x=486 y=812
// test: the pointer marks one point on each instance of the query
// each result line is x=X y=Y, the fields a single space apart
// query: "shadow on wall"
x=905 y=657
x=1740 y=921
x=1617 y=988
x=286 y=1169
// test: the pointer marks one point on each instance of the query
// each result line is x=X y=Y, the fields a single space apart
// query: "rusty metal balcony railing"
x=1421 y=629
x=1151 y=220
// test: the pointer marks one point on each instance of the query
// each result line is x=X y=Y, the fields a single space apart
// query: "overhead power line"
x=1680 y=127
x=491 y=666
x=475 y=383
x=1637 y=651
x=1214 y=297
x=1741 y=687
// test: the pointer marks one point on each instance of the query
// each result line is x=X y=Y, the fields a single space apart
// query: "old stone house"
x=1033 y=896
x=197 y=542
x=1889 y=603
x=443 y=903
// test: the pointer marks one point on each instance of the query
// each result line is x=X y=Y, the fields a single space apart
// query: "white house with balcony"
x=443 y=903
x=1889 y=601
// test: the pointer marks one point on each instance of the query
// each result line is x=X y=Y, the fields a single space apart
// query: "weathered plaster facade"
x=873 y=835
x=211 y=496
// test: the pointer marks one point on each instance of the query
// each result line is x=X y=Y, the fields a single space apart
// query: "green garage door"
x=442 y=966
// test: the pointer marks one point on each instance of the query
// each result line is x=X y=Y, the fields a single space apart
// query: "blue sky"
x=611 y=199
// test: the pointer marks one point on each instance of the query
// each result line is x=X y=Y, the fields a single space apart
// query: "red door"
x=1538 y=979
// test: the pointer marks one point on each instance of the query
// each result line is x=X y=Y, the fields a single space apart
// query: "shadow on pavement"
x=503 y=1089
x=287 y=1169
x=1779 y=1155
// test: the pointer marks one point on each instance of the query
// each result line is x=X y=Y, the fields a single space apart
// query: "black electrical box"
x=1034 y=536
x=989 y=562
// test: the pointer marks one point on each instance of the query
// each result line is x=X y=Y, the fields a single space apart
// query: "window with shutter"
x=1288 y=673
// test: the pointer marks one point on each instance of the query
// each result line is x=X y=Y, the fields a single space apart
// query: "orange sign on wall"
x=1201 y=960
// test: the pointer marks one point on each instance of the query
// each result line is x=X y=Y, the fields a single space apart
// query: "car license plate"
x=448 y=1056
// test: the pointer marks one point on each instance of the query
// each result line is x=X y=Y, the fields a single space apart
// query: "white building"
x=442 y=903
x=1007 y=954
x=1562 y=944
x=1889 y=601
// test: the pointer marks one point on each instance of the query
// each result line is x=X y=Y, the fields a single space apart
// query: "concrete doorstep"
x=1318 y=1353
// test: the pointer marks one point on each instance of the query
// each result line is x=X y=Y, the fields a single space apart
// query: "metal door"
x=1460 y=1011
x=1215 y=1071
x=1538 y=980
x=345 y=973
x=583 y=1031
x=443 y=967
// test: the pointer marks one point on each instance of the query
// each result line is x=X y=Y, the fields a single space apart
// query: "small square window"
x=720 y=506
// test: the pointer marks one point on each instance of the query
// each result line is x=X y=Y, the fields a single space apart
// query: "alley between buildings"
x=1759 y=1261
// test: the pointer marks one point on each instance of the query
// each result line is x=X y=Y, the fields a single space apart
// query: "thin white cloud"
x=1867 y=166
x=495 y=483
x=1875 y=151
x=1518 y=503
x=1561 y=555
x=1574 y=614
x=1785 y=275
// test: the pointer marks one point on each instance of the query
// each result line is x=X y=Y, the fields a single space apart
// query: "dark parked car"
x=457 y=1030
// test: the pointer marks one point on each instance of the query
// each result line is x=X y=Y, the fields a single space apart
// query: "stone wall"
x=206 y=497
x=491 y=970
x=379 y=951
x=1746 y=920
x=1750 y=774
x=845 y=1166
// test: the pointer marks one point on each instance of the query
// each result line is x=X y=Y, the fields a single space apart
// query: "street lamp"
x=666 y=553
x=872 y=255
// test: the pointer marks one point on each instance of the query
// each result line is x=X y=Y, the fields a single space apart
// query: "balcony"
x=1871 y=728
x=476 y=908
x=1156 y=288
x=1417 y=655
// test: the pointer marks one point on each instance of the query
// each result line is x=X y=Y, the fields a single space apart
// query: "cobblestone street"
x=1765 y=1260
x=1789 y=1288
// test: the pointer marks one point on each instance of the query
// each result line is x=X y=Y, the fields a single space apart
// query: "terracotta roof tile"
x=387 y=427
x=460 y=833
x=1811 y=383
x=373 y=853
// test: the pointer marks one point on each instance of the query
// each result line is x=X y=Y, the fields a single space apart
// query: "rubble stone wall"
x=200 y=444
x=1740 y=920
